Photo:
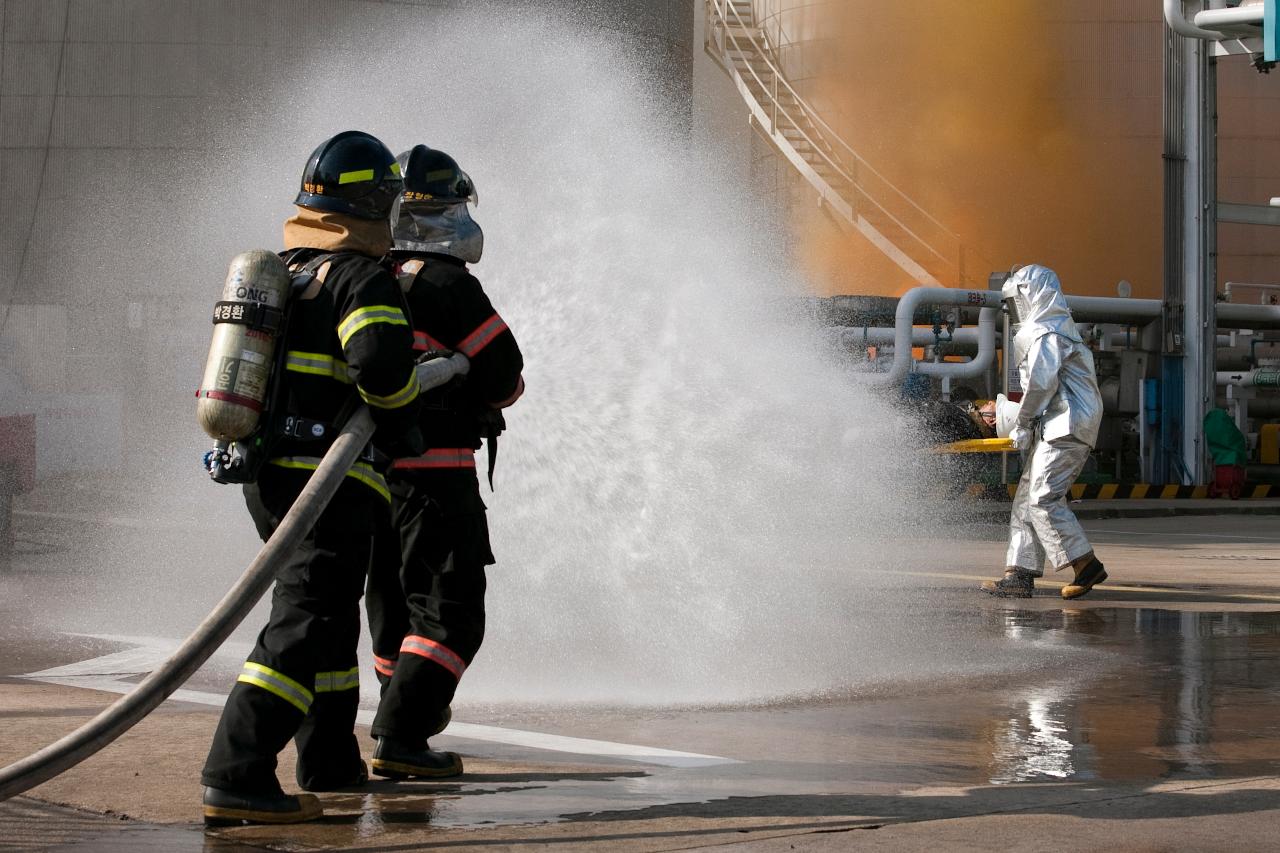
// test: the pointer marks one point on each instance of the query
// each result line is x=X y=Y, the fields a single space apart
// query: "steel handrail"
x=813 y=115
x=827 y=142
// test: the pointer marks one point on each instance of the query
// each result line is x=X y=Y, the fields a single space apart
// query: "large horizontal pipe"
x=856 y=336
x=1100 y=309
x=1267 y=377
x=1229 y=18
x=1232 y=316
x=1259 y=407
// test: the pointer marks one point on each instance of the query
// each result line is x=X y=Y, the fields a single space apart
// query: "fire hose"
x=128 y=710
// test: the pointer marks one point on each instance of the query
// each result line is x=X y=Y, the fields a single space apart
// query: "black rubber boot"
x=228 y=808
x=1086 y=579
x=442 y=722
x=395 y=760
x=1016 y=583
x=353 y=780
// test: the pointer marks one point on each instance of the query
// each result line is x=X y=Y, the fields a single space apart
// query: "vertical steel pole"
x=1190 y=222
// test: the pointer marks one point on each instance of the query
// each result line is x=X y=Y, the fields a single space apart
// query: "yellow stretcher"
x=977 y=445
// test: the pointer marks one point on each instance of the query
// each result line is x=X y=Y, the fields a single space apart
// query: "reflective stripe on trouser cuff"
x=384 y=666
x=361 y=471
x=440 y=457
x=278 y=683
x=433 y=651
x=332 y=682
x=317 y=364
x=370 y=314
x=482 y=336
x=403 y=397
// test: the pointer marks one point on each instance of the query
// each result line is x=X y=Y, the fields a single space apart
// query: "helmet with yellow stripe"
x=351 y=173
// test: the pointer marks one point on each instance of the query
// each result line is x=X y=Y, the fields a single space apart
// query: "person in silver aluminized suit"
x=1055 y=429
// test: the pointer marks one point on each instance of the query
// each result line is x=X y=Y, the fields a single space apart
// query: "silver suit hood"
x=445 y=228
x=1060 y=394
x=1040 y=305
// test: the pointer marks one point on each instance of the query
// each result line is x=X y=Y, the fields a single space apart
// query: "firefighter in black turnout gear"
x=427 y=582
x=347 y=340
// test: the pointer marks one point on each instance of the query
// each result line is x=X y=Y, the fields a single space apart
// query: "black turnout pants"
x=302 y=680
x=425 y=598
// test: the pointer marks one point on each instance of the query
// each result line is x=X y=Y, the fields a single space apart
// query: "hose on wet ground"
x=128 y=710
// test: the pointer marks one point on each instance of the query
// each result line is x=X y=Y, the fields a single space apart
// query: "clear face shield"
x=445 y=228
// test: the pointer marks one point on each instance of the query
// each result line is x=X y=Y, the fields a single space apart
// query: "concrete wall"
x=109 y=111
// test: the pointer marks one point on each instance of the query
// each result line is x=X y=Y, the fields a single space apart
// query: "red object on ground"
x=18 y=453
x=1228 y=481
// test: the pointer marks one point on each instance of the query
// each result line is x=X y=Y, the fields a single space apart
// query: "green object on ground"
x=1227 y=444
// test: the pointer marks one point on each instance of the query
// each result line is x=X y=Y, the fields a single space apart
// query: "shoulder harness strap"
x=309 y=277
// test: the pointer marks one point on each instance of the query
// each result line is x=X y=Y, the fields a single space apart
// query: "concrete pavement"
x=1143 y=717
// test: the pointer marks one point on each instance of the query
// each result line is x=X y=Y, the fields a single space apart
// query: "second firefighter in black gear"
x=427 y=582
x=348 y=339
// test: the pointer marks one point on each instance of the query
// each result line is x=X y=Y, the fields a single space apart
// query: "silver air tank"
x=246 y=323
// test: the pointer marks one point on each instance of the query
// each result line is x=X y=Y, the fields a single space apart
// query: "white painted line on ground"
x=1103 y=532
x=104 y=673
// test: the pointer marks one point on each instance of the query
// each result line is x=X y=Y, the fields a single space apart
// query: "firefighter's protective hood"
x=336 y=232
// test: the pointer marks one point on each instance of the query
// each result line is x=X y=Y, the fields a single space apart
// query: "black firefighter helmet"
x=351 y=173
x=432 y=175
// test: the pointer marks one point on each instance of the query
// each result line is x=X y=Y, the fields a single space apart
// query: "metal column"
x=1190 y=195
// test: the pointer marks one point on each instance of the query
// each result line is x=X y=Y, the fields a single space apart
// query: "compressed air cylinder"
x=246 y=324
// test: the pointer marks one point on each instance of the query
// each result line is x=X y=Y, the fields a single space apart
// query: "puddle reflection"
x=1195 y=696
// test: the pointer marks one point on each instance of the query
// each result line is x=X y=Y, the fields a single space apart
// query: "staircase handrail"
x=829 y=139
x=812 y=114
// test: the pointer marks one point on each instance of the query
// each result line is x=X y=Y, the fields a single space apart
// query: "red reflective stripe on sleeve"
x=482 y=336
x=440 y=457
x=423 y=342
x=433 y=651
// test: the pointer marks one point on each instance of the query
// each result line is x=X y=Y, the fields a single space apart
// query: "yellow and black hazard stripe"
x=1129 y=491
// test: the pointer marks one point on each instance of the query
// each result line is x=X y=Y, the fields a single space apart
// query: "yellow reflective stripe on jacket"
x=333 y=682
x=317 y=364
x=367 y=316
x=361 y=471
x=403 y=397
x=278 y=683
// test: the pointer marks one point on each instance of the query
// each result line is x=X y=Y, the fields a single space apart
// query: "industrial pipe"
x=128 y=710
x=975 y=367
x=904 y=318
x=1236 y=316
x=1266 y=377
x=856 y=336
x=1177 y=21
x=1099 y=308
x=1103 y=309
x=1242 y=17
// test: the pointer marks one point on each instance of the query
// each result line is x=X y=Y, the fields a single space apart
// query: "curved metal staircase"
x=857 y=196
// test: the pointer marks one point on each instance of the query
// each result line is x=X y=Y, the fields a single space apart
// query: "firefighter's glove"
x=1021 y=438
x=434 y=353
